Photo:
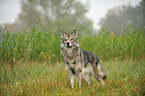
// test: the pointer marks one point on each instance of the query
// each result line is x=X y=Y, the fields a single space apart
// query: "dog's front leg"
x=71 y=77
x=79 y=79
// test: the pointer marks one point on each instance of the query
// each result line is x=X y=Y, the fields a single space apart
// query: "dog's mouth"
x=68 y=46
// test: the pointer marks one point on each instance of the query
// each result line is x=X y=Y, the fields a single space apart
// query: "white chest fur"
x=69 y=52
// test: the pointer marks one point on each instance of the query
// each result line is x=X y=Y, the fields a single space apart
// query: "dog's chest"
x=69 y=51
x=73 y=63
x=74 y=67
x=72 y=59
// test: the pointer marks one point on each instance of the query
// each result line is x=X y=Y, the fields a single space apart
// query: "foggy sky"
x=9 y=9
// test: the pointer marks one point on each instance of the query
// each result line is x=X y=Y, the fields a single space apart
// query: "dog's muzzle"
x=68 y=45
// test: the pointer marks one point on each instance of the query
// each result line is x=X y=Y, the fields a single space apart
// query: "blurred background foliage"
x=57 y=14
x=36 y=33
x=71 y=14
x=118 y=18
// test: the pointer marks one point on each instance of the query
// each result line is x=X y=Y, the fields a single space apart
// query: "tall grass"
x=124 y=78
x=32 y=45
x=129 y=45
x=37 y=44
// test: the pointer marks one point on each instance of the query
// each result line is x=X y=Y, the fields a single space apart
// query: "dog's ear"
x=62 y=34
x=74 y=33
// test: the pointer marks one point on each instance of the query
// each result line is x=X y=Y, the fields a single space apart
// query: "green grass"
x=39 y=78
x=108 y=46
x=40 y=45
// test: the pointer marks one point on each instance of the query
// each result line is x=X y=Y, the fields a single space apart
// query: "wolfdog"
x=79 y=62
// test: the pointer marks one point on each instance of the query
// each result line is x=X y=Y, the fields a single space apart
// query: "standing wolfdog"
x=79 y=62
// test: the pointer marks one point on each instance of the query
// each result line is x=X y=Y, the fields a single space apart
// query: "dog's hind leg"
x=98 y=73
x=86 y=77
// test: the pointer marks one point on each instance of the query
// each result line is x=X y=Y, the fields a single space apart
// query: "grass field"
x=32 y=78
x=36 y=44
x=31 y=63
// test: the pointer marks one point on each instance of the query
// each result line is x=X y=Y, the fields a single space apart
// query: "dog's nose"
x=67 y=43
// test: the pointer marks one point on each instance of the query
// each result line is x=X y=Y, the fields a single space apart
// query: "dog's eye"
x=71 y=39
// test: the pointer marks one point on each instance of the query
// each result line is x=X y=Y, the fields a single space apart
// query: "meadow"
x=31 y=63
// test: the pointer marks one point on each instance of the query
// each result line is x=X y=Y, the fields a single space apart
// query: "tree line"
x=120 y=17
x=57 y=14
x=69 y=14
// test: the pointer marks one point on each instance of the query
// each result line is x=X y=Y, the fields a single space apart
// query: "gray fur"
x=79 y=62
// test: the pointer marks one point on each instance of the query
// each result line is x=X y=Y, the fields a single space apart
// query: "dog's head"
x=69 y=40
